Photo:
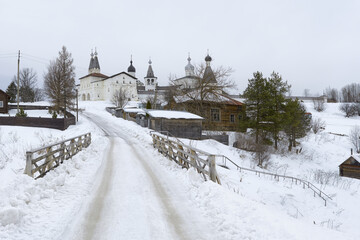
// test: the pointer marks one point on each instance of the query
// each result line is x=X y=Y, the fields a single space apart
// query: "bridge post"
x=28 y=167
x=212 y=169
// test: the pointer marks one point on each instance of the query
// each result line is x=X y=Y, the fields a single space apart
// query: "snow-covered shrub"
x=317 y=125
x=262 y=155
x=354 y=137
x=319 y=105
x=330 y=178
x=349 y=109
x=245 y=142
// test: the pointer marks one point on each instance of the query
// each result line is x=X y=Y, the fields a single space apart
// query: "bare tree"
x=317 y=125
x=120 y=97
x=59 y=81
x=261 y=155
x=28 y=84
x=354 y=137
x=332 y=94
x=319 y=104
x=349 y=109
x=207 y=85
x=351 y=93
x=306 y=92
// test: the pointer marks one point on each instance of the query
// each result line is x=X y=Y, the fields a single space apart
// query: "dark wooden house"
x=177 y=123
x=220 y=112
x=350 y=167
x=4 y=99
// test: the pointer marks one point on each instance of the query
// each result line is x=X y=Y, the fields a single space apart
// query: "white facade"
x=99 y=87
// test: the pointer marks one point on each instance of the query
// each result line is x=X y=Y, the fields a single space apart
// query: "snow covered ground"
x=150 y=197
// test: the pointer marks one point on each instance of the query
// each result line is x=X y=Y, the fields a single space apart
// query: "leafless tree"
x=261 y=155
x=59 y=81
x=349 y=109
x=317 y=125
x=28 y=83
x=206 y=87
x=332 y=94
x=319 y=104
x=354 y=137
x=120 y=97
x=351 y=93
x=306 y=92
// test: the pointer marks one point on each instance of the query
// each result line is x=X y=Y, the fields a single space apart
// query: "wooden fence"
x=187 y=156
x=304 y=183
x=42 y=160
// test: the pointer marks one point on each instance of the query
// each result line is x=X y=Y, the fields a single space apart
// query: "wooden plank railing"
x=277 y=177
x=40 y=161
x=186 y=156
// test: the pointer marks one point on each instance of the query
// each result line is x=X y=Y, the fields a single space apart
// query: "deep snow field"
x=245 y=206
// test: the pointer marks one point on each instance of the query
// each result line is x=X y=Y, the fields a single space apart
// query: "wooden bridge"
x=42 y=160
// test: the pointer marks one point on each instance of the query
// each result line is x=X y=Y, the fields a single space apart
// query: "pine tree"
x=12 y=91
x=256 y=95
x=59 y=81
x=296 y=121
x=276 y=103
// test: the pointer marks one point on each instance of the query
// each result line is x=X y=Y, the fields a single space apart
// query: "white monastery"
x=98 y=87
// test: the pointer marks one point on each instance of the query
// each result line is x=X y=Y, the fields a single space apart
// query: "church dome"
x=189 y=66
x=208 y=58
x=131 y=68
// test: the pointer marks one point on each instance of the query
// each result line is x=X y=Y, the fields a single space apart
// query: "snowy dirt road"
x=135 y=199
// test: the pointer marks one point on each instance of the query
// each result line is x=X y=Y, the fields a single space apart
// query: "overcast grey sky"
x=312 y=44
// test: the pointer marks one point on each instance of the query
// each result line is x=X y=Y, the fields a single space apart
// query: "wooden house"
x=350 y=167
x=220 y=112
x=177 y=123
x=4 y=99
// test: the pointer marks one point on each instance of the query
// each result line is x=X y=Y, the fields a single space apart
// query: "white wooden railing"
x=40 y=161
x=186 y=156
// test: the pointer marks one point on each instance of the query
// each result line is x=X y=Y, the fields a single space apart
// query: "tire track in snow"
x=97 y=205
x=169 y=210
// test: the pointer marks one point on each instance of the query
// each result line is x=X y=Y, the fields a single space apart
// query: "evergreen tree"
x=256 y=95
x=59 y=81
x=296 y=121
x=276 y=103
x=148 y=105
x=12 y=91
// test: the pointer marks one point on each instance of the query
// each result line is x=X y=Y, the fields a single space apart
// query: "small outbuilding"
x=177 y=123
x=4 y=99
x=350 y=167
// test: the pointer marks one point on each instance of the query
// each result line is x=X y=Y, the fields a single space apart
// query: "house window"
x=1 y=104
x=215 y=115
x=232 y=118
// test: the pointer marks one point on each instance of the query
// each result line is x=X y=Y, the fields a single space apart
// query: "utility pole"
x=18 y=85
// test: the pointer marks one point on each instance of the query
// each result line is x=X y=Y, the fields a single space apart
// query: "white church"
x=96 y=86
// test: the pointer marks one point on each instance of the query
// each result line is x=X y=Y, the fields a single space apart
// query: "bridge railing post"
x=28 y=167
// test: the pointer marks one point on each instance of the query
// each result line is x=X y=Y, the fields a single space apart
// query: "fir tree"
x=148 y=105
x=12 y=91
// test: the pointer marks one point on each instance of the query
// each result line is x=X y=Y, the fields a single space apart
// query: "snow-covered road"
x=134 y=199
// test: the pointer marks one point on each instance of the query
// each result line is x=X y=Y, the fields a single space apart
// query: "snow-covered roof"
x=172 y=114
x=134 y=110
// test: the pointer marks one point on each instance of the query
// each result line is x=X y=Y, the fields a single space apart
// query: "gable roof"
x=4 y=93
x=352 y=160
x=98 y=75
